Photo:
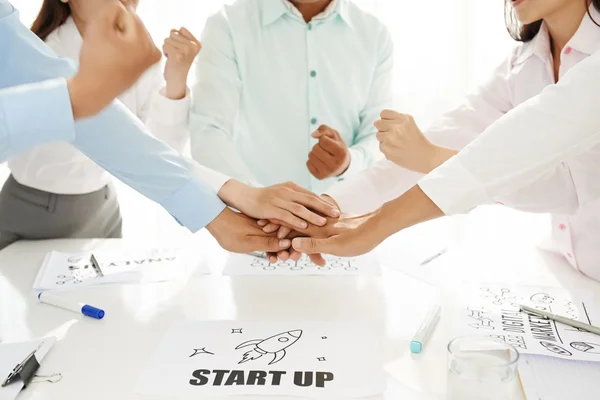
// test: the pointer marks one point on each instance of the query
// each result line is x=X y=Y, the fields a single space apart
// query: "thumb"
x=268 y=244
x=314 y=246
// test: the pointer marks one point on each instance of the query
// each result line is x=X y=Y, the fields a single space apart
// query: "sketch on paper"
x=275 y=345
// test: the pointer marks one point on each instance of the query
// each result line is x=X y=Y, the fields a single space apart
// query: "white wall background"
x=443 y=49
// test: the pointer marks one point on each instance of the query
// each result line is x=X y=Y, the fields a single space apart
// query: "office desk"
x=102 y=359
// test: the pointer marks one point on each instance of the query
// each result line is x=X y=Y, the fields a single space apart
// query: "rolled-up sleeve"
x=524 y=145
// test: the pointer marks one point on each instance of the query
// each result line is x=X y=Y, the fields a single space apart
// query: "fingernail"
x=303 y=225
x=334 y=212
x=281 y=235
x=285 y=243
x=321 y=220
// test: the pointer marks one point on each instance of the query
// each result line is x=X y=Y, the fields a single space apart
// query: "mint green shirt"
x=267 y=80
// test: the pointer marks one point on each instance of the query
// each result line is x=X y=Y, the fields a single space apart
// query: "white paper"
x=493 y=310
x=12 y=354
x=63 y=271
x=243 y=264
x=222 y=358
x=546 y=378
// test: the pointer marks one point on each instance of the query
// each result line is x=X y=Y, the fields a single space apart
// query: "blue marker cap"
x=416 y=347
x=93 y=312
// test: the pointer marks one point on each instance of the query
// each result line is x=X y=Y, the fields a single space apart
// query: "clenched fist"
x=403 y=143
x=116 y=50
x=330 y=157
x=180 y=48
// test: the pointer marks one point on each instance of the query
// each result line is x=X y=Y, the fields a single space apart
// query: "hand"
x=404 y=144
x=330 y=157
x=116 y=50
x=180 y=48
x=286 y=231
x=287 y=202
x=238 y=233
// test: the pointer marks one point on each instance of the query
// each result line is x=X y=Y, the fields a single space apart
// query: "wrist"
x=86 y=101
x=232 y=192
x=176 y=89
x=439 y=155
x=411 y=208
x=345 y=165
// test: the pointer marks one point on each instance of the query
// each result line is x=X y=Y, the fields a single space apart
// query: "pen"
x=433 y=257
x=424 y=332
x=260 y=254
x=57 y=301
x=561 y=319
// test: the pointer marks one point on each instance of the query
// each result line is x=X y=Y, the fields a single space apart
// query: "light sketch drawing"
x=555 y=348
x=585 y=347
x=201 y=351
x=275 y=345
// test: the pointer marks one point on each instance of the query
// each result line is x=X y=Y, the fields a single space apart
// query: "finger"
x=315 y=246
x=283 y=255
x=390 y=114
x=384 y=125
x=288 y=212
x=283 y=232
x=331 y=146
x=267 y=244
x=184 y=42
x=323 y=156
x=323 y=130
x=270 y=228
x=302 y=212
x=317 y=259
x=313 y=170
x=316 y=203
x=188 y=35
x=272 y=257
x=321 y=166
x=382 y=137
x=295 y=255
x=262 y=222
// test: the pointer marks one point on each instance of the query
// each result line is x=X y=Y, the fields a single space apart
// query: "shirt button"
x=562 y=227
x=309 y=27
x=569 y=255
x=313 y=73
x=313 y=121
x=568 y=50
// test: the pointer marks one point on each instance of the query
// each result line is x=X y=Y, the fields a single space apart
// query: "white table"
x=102 y=359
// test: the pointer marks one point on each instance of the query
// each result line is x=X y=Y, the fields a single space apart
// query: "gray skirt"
x=31 y=214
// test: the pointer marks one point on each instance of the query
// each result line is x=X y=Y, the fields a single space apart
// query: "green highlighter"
x=424 y=332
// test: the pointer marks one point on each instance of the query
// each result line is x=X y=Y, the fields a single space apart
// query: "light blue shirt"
x=34 y=113
x=267 y=80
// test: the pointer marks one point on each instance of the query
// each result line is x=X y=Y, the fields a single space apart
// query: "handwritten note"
x=494 y=310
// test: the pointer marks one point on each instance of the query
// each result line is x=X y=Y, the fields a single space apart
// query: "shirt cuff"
x=354 y=167
x=214 y=179
x=172 y=112
x=37 y=113
x=453 y=188
x=193 y=206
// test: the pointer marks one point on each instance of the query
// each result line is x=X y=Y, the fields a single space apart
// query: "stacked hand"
x=330 y=157
x=403 y=143
x=116 y=50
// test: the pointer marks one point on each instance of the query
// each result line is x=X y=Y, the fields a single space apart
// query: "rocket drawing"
x=275 y=345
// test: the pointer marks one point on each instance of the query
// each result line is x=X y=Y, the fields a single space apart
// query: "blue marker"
x=422 y=335
x=57 y=301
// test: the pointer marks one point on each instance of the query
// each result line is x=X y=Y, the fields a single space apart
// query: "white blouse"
x=569 y=192
x=60 y=168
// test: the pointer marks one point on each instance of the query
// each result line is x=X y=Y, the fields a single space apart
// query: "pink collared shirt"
x=570 y=192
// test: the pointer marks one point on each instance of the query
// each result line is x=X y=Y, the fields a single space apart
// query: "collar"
x=586 y=40
x=273 y=10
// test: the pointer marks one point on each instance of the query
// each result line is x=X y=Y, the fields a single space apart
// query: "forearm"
x=411 y=208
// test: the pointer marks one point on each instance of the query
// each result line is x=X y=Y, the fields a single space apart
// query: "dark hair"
x=53 y=14
x=525 y=33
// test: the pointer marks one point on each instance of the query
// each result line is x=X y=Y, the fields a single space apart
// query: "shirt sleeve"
x=524 y=145
x=215 y=104
x=166 y=118
x=115 y=139
x=455 y=129
x=364 y=151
